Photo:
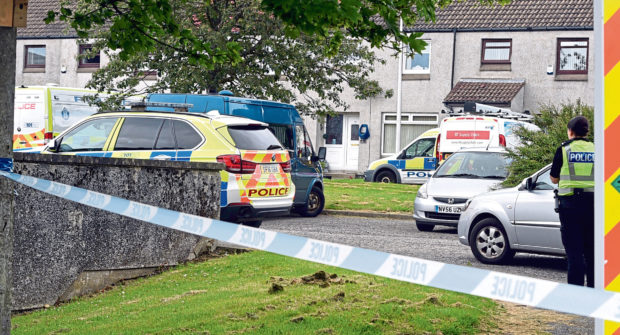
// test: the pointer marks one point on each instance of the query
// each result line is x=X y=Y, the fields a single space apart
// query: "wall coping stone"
x=117 y=162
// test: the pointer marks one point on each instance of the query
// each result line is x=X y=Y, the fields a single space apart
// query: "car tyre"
x=386 y=177
x=315 y=203
x=424 y=226
x=489 y=243
x=253 y=223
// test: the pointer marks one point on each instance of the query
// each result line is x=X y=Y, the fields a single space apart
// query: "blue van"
x=286 y=124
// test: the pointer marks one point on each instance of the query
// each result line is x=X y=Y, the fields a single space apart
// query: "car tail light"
x=437 y=154
x=286 y=166
x=248 y=167
x=47 y=137
x=502 y=140
x=235 y=164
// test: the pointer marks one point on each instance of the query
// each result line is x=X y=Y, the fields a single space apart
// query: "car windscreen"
x=490 y=165
x=253 y=138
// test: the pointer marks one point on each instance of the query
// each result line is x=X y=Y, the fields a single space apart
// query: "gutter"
x=462 y=30
x=47 y=37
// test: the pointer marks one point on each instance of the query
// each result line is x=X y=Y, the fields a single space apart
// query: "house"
x=519 y=56
x=47 y=53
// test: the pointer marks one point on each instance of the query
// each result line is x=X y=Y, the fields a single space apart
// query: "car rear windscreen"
x=253 y=138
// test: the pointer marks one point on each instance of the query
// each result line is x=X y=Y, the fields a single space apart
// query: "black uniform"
x=577 y=219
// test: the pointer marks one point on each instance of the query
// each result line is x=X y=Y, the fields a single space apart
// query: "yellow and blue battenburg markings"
x=429 y=163
x=490 y=284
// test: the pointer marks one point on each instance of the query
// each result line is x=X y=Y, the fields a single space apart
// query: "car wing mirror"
x=52 y=145
x=529 y=184
x=322 y=153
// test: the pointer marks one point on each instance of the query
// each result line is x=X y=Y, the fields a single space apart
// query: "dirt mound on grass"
x=320 y=278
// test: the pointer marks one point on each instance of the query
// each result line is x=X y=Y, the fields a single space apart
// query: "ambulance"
x=42 y=112
x=255 y=183
x=413 y=165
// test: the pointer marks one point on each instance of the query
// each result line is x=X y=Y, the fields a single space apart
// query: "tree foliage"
x=143 y=25
x=271 y=65
x=539 y=147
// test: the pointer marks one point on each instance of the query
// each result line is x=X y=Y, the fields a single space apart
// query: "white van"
x=42 y=112
x=474 y=131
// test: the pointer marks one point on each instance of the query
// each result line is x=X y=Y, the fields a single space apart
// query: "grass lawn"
x=231 y=295
x=355 y=194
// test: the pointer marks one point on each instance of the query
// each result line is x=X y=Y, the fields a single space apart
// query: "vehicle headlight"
x=467 y=204
x=422 y=192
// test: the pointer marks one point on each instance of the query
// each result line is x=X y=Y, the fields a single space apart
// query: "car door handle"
x=162 y=158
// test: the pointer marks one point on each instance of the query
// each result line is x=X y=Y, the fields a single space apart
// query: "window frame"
x=405 y=119
x=81 y=64
x=559 y=48
x=483 y=61
x=427 y=50
x=34 y=66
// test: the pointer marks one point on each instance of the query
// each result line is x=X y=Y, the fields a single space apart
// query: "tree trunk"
x=7 y=94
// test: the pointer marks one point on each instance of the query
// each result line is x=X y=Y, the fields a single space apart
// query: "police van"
x=43 y=112
x=413 y=165
x=256 y=182
x=478 y=125
x=285 y=123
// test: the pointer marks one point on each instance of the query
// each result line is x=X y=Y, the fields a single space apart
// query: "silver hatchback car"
x=497 y=224
x=464 y=174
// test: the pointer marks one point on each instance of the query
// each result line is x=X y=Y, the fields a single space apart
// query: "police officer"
x=573 y=170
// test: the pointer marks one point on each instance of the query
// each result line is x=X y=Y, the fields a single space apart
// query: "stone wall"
x=60 y=244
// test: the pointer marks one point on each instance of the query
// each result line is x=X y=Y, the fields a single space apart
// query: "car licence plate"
x=269 y=168
x=449 y=209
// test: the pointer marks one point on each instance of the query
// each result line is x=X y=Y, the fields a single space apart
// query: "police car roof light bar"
x=140 y=106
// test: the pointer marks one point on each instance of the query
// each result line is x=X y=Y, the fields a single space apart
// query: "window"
x=90 y=136
x=186 y=135
x=496 y=51
x=418 y=63
x=333 y=129
x=138 y=133
x=91 y=62
x=423 y=147
x=253 y=138
x=572 y=56
x=489 y=165
x=165 y=139
x=411 y=126
x=34 y=56
x=304 y=146
x=543 y=181
x=284 y=134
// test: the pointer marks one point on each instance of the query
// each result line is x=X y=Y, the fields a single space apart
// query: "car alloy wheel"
x=489 y=242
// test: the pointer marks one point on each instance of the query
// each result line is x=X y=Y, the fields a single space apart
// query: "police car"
x=256 y=182
x=413 y=165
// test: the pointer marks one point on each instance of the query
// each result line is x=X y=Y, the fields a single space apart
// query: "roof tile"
x=519 y=14
x=486 y=91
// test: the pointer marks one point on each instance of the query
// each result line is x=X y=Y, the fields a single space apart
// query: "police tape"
x=539 y=293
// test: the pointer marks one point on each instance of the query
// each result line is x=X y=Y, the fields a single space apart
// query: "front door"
x=342 y=142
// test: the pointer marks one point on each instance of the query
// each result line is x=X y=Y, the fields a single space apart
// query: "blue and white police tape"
x=6 y=164
x=539 y=293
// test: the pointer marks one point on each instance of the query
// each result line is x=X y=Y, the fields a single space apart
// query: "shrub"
x=539 y=146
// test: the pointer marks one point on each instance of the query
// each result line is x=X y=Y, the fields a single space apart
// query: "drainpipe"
x=453 y=57
x=399 y=91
